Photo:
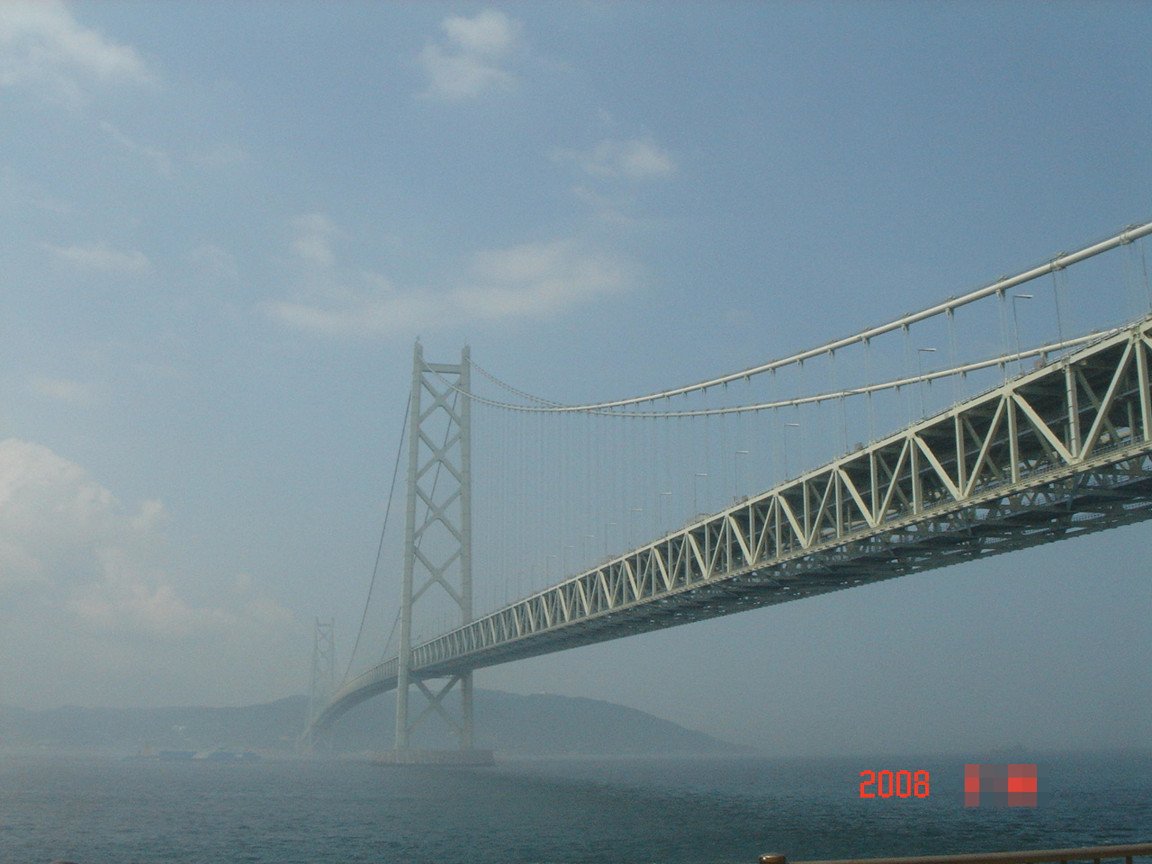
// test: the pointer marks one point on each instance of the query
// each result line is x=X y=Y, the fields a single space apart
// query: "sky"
x=222 y=227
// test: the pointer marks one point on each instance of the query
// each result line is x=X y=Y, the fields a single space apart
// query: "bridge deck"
x=1063 y=450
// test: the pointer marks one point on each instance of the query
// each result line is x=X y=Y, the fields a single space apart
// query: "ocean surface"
x=100 y=811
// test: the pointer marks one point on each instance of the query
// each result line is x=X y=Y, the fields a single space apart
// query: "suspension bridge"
x=1052 y=439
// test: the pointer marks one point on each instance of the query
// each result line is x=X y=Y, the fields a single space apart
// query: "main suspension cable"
x=380 y=546
x=895 y=384
x=999 y=287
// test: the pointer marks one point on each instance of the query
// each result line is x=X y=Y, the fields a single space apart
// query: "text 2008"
x=885 y=784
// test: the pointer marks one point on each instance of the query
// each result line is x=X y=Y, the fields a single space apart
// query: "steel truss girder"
x=1060 y=451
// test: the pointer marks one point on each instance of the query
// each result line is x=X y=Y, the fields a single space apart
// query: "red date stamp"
x=902 y=784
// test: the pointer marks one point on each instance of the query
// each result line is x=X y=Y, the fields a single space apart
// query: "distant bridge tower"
x=437 y=540
x=323 y=682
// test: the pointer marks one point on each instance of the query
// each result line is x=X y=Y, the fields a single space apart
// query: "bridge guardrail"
x=1096 y=854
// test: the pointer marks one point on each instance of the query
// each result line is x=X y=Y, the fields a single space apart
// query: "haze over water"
x=572 y=812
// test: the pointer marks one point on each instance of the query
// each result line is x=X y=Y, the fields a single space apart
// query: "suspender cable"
x=1000 y=287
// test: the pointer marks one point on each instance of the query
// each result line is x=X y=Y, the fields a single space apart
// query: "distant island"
x=540 y=725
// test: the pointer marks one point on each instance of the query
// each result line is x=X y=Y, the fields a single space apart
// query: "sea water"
x=95 y=811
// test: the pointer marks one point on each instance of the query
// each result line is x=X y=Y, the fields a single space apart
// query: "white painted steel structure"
x=323 y=680
x=439 y=502
x=1063 y=450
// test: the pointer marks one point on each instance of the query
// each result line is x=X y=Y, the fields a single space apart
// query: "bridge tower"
x=437 y=542
x=323 y=680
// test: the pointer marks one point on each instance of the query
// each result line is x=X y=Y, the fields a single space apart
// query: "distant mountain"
x=537 y=725
x=273 y=726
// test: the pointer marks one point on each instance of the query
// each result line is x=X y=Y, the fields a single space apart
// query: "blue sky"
x=223 y=226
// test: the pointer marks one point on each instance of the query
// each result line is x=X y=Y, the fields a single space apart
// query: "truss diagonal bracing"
x=1060 y=451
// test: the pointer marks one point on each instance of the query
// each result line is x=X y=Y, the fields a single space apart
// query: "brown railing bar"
x=1096 y=854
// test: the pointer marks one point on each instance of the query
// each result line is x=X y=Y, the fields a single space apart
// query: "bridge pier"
x=463 y=758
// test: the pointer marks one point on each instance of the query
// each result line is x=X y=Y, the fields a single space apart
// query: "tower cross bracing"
x=437 y=533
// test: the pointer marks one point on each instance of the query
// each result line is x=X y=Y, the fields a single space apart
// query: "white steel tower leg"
x=439 y=495
x=323 y=682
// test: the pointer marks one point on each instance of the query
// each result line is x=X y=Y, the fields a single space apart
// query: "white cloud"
x=331 y=302
x=313 y=243
x=224 y=154
x=472 y=62
x=489 y=34
x=215 y=262
x=159 y=159
x=611 y=210
x=60 y=519
x=101 y=258
x=89 y=605
x=530 y=281
x=66 y=390
x=373 y=308
x=539 y=280
x=43 y=47
x=634 y=159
